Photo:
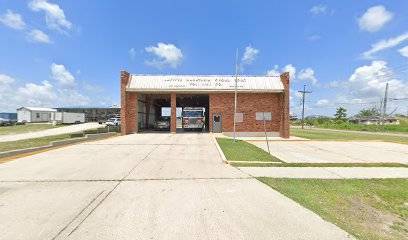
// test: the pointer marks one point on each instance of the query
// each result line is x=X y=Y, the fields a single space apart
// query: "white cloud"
x=71 y=97
x=13 y=20
x=32 y=94
x=369 y=82
x=313 y=38
x=374 y=18
x=62 y=76
x=323 y=102
x=249 y=55
x=307 y=74
x=404 y=51
x=4 y=79
x=132 y=53
x=318 y=9
x=384 y=44
x=273 y=72
x=298 y=94
x=92 y=88
x=5 y=85
x=166 y=54
x=43 y=94
x=292 y=71
x=54 y=15
x=38 y=36
x=333 y=84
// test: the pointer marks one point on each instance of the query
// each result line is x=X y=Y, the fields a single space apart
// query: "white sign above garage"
x=187 y=83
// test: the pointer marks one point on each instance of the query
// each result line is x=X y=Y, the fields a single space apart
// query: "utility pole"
x=236 y=83
x=303 y=104
x=385 y=106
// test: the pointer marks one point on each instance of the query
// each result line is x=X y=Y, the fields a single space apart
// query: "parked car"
x=113 y=122
x=4 y=122
x=162 y=123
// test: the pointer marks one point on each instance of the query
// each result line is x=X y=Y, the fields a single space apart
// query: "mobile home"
x=35 y=114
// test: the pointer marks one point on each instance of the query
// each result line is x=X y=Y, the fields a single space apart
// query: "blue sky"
x=70 y=53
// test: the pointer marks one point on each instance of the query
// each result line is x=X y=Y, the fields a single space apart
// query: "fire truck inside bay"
x=194 y=118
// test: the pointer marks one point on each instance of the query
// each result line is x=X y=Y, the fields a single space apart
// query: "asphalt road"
x=146 y=186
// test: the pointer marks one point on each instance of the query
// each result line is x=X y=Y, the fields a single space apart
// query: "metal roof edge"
x=155 y=90
x=192 y=75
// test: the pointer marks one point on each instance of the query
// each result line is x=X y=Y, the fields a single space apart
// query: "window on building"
x=260 y=116
x=37 y=115
x=239 y=117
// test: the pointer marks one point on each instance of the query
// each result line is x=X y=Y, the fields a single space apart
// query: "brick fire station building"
x=262 y=102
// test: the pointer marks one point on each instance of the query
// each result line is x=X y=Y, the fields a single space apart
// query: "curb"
x=251 y=162
x=224 y=159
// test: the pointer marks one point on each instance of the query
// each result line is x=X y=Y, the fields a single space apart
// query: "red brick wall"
x=128 y=108
x=248 y=104
x=285 y=121
x=173 y=113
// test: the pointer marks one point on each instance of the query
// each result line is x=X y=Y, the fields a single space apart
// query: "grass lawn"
x=30 y=143
x=319 y=165
x=243 y=151
x=26 y=128
x=367 y=209
x=331 y=124
x=330 y=135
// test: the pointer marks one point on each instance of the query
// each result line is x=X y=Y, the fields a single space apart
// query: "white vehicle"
x=113 y=122
x=69 y=117
x=193 y=118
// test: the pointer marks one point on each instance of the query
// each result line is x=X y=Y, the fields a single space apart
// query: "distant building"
x=293 y=117
x=8 y=116
x=93 y=114
x=35 y=114
x=317 y=117
x=373 y=120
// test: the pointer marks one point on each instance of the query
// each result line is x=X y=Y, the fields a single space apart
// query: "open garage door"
x=189 y=110
x=154 y=113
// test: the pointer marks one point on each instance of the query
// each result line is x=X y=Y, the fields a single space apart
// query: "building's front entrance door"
x=217 y=123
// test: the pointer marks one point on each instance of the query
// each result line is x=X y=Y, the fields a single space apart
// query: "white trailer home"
x=35 y=114
x=69 y=117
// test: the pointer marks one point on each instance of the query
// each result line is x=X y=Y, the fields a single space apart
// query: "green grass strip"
x=243 y=151
x=332 y=135
x=368 y=209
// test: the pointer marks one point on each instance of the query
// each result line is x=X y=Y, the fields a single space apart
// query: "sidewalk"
x=353 y=131
x=50 y=132
x=327 y=172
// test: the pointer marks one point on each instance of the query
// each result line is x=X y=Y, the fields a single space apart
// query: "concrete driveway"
x=146 y=186
x=337 y=151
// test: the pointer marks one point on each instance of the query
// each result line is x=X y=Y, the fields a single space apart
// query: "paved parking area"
x=146 y=186
x=337 y=151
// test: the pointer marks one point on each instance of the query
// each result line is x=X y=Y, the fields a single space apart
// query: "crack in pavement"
x=113 y=189
x=125 y=180
x=77 y=215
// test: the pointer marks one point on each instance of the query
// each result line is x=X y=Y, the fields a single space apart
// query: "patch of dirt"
x=385 y=224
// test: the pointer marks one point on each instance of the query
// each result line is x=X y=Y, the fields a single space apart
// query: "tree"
x=368 y=112
x=341 y=114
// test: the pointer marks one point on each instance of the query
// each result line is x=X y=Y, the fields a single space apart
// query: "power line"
x=384 y=106
x=303 y=103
